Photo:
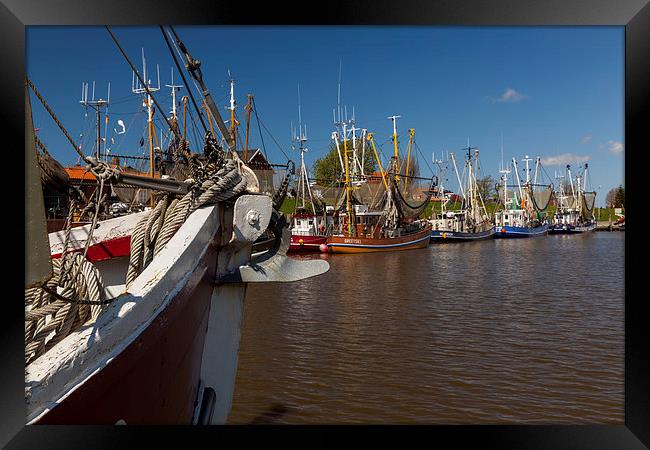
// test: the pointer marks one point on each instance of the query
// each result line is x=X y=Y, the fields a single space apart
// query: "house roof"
x=78 y=172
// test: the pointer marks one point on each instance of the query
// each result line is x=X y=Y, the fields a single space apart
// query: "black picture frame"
x=634 y=15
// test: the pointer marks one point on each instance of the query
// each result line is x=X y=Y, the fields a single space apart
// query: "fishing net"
x=570 y=202
x=588 y=201
x=407 y=209
x=540 y=199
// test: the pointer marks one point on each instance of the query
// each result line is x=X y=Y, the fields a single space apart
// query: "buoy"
x=503 y=230
x=323 y=248
x=444 y=235
x=301 y=242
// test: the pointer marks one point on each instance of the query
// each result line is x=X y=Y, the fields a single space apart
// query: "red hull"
x=107 y=249
x=155 y=379
x=308 y=244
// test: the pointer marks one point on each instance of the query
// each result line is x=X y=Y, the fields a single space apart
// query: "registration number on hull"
x=352 y=241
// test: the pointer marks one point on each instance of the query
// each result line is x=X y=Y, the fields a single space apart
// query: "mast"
x=335 y=137
x=477 y=210
x=578 y=179
x=394 y=119
x=470 y=185
x=363 y=151
x=441 y=188
x=353 y=130
x=233 y=122
x=504 y=177
x=573 y=192
x=408 y=157
x=347 y=184
x=194 y=67
x=248 y=108
x=521 y=194
x=561 y=196
x=139 y=89
x=472 y=180
x=460 y=184
x=97 y=105
x=301 y=138
x=338 y=98
x=174 y=88
x=526 y=160
x=374 y=149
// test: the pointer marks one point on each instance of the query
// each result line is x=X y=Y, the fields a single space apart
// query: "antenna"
x=299 y=114
x=526 y=160
x=501 y=166
x=394 y=119
x=338 y=100
x=139 y=89
x=173 y=88
x=97 y=105
x=396 y=150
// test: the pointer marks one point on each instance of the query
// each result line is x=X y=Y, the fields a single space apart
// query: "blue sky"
x=554 y=92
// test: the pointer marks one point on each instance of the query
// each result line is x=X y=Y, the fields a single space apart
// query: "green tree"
x=616 y=197
x=486 y=187
x=328 y=168
x=619 y=197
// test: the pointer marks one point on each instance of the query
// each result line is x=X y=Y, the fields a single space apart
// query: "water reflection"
x=502 y=331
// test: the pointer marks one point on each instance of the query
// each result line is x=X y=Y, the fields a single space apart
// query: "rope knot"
x=100 y=169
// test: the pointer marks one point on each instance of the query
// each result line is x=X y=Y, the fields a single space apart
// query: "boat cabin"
x=511 y=217
x=451 y=221
x=566 y=218
x=308 y=224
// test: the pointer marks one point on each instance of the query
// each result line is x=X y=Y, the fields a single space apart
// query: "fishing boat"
x=371 y=236
x=308 y=231
x=575 y=205
x=394 y=226
x=150 y=336
x=311 y=219
x=524 y=213
x=471 y=222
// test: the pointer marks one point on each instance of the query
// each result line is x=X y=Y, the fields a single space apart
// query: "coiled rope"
x=74 y=294
x=156 y=228
x=51 y=316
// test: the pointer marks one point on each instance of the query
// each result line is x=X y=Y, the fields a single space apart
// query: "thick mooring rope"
x=156 y=228
x=74 y=294
x=49 y=320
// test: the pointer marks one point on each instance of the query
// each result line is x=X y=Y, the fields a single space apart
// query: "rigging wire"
x=417 y=147
x=267 y=130
x=260 y=131
x=162 y=30
x=135 y=71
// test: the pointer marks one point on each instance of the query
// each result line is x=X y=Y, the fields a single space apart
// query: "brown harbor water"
x=498 y=331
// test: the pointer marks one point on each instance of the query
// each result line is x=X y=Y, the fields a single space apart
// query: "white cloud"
x=615 y=147
x=565 y=158
x=585 y=139
x=509 y=96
